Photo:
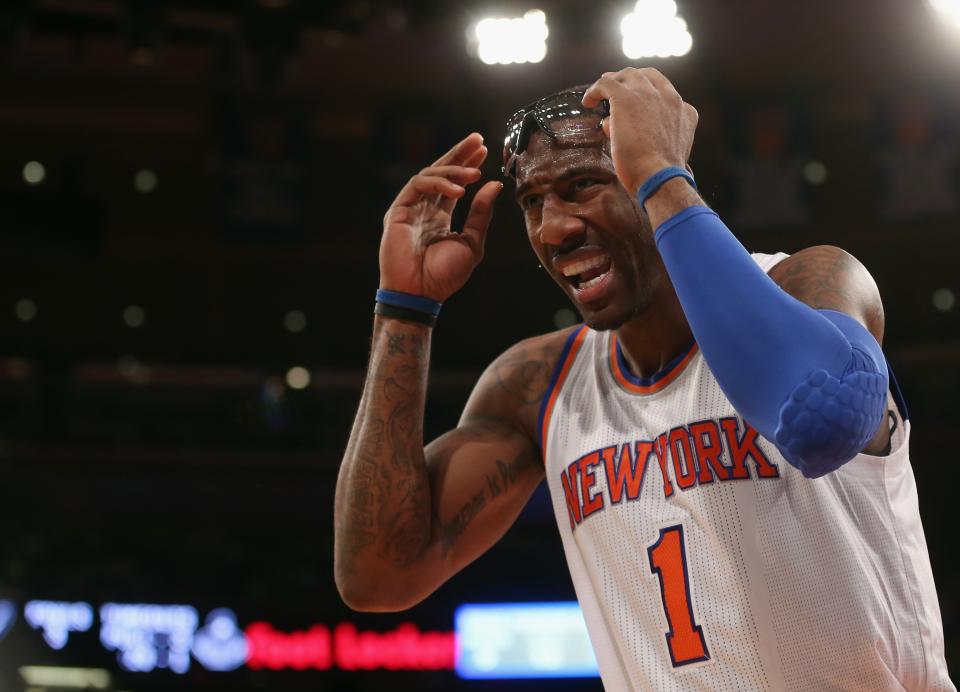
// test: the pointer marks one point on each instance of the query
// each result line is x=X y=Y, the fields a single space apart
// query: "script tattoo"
x=506 y=475
x=453 y=529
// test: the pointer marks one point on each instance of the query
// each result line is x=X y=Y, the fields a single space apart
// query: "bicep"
x=483 y=472
x=481 y=476
x=828 y=278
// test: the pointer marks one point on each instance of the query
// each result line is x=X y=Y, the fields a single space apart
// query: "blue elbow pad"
x=813 y=382
x=830 y=416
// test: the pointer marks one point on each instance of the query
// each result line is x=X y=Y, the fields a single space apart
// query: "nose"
x=559 y=225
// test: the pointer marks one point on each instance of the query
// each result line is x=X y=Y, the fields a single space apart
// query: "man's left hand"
x=650 y=126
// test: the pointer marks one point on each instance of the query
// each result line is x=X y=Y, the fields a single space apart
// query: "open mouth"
x=588 y=272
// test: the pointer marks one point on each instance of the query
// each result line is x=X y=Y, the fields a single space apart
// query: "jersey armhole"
x=897 y=393
x=567 y=356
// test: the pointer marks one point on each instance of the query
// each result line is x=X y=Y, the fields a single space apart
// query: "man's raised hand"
x=650 y=126
x=419 y=252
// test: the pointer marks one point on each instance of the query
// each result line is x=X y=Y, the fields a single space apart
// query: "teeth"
x=592 y=282
x=584 y=265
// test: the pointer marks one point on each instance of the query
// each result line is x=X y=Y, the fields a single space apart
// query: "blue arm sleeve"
x=813 y=382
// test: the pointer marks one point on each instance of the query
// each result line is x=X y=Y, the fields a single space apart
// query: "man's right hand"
x=419 y=253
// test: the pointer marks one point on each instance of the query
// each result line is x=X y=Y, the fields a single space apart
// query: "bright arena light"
x=653 y=30
x=520 y=39
x=948 y=10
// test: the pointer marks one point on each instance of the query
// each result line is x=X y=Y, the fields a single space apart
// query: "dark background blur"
x=214 y=175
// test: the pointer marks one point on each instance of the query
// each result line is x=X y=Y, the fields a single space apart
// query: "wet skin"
x=575 y=209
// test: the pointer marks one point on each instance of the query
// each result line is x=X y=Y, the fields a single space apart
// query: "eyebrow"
x=569 y=173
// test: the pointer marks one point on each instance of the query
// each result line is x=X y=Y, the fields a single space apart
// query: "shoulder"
x=514 y=384
x=526 y=367
x=826 y=277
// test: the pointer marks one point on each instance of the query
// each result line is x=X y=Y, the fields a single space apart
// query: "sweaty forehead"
x=546 y=157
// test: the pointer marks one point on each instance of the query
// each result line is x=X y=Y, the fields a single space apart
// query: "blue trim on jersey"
x=898 y=397
x=557 y=369
x=653 y=379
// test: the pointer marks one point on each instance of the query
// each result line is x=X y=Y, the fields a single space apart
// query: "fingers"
x=650 y=74
x=612 y=84
x=473 y=161
x=422 y=186
x=478 y=220
x=436 y=185
x=462 y=150
x=477 y=158
x=446 y=181
x=459 y=174
x=607 y=87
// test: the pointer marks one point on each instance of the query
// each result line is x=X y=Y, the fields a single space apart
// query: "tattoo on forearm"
x=409 y=530
x=367 y=488
x=395 y=344
x=385 y=487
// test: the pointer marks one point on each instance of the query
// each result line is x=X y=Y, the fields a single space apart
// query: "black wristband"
x=399 y=313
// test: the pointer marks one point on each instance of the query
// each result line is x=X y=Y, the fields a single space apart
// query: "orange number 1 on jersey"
x=668 y=560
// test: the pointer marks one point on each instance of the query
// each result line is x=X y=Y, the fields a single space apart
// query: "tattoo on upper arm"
x=524 y=375
x=505 y=474
x=451 y=531
x=828 y=278
x=820 y=277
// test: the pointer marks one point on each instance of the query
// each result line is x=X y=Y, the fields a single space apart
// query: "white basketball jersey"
x=703 y=560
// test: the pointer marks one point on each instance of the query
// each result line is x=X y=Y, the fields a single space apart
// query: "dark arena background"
x=191 y=198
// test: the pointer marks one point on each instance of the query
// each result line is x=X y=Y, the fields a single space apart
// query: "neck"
x=657 y=335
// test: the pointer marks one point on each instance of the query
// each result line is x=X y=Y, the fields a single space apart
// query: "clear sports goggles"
x=547 y=114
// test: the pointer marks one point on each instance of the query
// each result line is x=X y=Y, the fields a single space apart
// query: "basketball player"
x=722 y=439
